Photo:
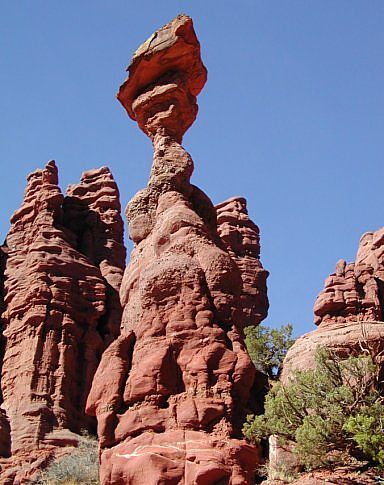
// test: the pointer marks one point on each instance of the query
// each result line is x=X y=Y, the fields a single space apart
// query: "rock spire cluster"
x=171 y=391
x=62 y=264
x=152 y=355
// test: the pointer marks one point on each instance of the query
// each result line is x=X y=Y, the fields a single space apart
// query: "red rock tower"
x=60 y=273
x=171 y=391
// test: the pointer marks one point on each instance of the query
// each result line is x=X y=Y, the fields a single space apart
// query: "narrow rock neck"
x=172 y=165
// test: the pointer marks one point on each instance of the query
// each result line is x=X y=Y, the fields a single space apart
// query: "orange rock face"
x=60 y=289
x=349 y=311
x=171 y=391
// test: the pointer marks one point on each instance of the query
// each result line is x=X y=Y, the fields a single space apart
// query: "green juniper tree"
x=268 y=346
x=337 y=406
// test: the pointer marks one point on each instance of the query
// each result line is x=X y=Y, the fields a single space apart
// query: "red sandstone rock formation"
x=92 y=211
x=349 y=314
x=170 y=393
x=349 y=311
x=355 y=292
x=4 y=424
x=241 y=237
x=63 y=264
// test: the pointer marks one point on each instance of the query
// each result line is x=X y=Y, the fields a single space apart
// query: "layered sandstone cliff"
x=62 y=264
x=171 y=391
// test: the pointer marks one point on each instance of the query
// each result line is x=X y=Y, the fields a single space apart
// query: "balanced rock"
x=171 y=392
x=166 y=69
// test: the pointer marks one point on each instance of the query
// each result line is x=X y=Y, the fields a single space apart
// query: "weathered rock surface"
x=171 y=391
x=282 y=457
x=4 y=424
x=340 y=475
x=344 y=338
x=92 y=211
x=349 y=311
x=349 y=314
x=64 y=260
x=167 y=68
x=355 y=292
x=241 y=238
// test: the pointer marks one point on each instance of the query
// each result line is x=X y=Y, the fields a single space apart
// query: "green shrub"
x=267 y=347
x=335 y=407
x=367 y=430
x=80 y=466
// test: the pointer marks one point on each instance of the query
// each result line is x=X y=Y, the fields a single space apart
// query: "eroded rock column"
x=171 y=392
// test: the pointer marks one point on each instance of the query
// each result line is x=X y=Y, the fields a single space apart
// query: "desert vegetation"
x=332 y=413
x=80 y=466
x=267 y=347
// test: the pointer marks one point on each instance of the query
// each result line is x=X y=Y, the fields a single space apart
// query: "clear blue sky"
x=291 y=117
